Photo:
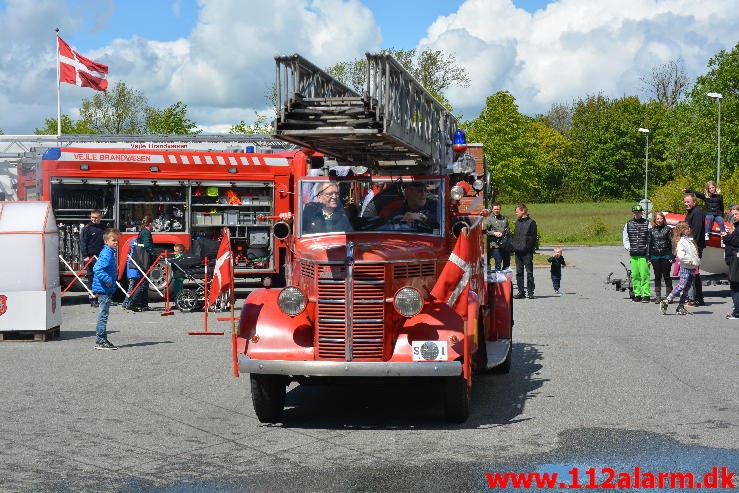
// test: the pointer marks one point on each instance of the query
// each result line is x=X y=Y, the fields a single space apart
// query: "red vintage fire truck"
x=190 y=194
x=385 y=270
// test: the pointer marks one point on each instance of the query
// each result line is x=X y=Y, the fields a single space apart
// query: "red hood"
x=370 y=248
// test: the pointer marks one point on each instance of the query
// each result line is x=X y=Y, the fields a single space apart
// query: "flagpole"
x=58 y=90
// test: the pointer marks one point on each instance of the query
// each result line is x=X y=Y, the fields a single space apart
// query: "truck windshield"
x=365 y=205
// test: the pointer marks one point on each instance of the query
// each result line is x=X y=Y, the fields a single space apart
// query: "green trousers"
x=640 y=276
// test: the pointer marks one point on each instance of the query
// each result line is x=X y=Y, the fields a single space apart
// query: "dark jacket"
x=315 y=222
x=731 y=249
x=91 y=239
x=660 y=242
x=146 y=240
x=636 y=232
x=106 y=272
x=696 y=219
x=497 y=224
x=714 y=202
x=557 y=264
x=524 y=236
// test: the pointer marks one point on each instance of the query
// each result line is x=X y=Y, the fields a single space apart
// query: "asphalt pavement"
x=597 y=382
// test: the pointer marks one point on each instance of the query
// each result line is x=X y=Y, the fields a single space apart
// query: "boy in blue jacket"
x=104 y=285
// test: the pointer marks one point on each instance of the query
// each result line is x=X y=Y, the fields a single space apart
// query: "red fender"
x=436 y=322
x=265 y=332
x=500 y=295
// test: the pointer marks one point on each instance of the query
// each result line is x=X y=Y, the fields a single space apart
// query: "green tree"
x=171 y=120
x=69 y=126
x=260 y=126
x=120 y=110
x=435 y=70
x=510 y=147
x=723 y=78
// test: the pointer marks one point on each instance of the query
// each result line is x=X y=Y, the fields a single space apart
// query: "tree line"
x=586 y=150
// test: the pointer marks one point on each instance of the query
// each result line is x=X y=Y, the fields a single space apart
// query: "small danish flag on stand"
x=80 y=71
x=223 y=270
x=453 y=286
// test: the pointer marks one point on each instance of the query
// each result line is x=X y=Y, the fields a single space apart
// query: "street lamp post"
x=646 y=161
x=717 y=96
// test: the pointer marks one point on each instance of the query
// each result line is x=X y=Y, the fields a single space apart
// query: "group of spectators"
x=662 y=247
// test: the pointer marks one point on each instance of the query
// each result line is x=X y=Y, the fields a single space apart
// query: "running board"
x=497 y=352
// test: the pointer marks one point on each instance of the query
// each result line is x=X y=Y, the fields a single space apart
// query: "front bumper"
x=351 y=369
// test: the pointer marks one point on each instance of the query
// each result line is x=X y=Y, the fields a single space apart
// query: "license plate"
x=430 y=351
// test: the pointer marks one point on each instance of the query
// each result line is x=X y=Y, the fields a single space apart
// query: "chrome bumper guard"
x=350 y=369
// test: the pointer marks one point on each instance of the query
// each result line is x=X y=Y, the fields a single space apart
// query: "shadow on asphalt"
x=414 y=404
x=143 y=344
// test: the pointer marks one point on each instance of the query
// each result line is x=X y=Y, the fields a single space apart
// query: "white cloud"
x=576 y=47
x=224 y=67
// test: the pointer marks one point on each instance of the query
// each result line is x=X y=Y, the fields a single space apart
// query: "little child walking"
x=104 y=278
x=687 y=256
x=557 y=261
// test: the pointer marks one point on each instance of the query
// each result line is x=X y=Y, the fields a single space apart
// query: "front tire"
x=457 y=399
x=268 y=396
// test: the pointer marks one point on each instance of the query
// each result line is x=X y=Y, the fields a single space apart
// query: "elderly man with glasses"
x=326 y=214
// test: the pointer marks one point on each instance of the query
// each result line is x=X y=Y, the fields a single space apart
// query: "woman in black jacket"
x=660 y=254
x=714 y=206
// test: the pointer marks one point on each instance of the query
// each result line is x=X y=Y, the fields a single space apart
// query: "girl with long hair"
x=714 y=206
x=661 y=254
x=688 y=259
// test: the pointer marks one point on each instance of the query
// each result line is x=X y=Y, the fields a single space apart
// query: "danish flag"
x=453 y=285
x=80 y=71
x=223 y=270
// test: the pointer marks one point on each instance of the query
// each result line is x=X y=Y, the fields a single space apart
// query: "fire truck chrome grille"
x=368 y=308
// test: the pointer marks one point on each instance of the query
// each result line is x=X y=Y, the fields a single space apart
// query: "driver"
x=416 y=208
x=324 y=216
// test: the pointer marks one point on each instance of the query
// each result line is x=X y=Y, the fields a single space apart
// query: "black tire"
x=158 y=279
x=187 y=301
x=268 y=396
x=457 y=399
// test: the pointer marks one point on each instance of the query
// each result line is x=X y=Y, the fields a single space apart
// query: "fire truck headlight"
x=456 y=193
x=291 y=301
x=408 y=301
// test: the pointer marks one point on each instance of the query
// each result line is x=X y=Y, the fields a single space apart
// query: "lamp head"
x=644 y=130
x=714 y=95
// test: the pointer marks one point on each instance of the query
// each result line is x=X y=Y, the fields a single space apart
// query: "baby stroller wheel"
x=187 y=300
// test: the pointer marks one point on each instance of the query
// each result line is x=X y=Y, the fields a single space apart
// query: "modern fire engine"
x=385 y=266
x=190 y=194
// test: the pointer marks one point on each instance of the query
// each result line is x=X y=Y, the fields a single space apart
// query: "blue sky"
x=403 y=22
x=216 y=56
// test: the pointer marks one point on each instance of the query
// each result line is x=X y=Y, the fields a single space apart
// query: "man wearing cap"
x=416 y=209
x=636 y=242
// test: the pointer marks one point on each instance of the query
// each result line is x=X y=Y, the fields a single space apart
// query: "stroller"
x=622 y=284
x=192 y=268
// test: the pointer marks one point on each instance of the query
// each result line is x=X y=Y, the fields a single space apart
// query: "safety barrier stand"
x=74 y=273
x=144 y=274
x=167 y=310
x=207 y=307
